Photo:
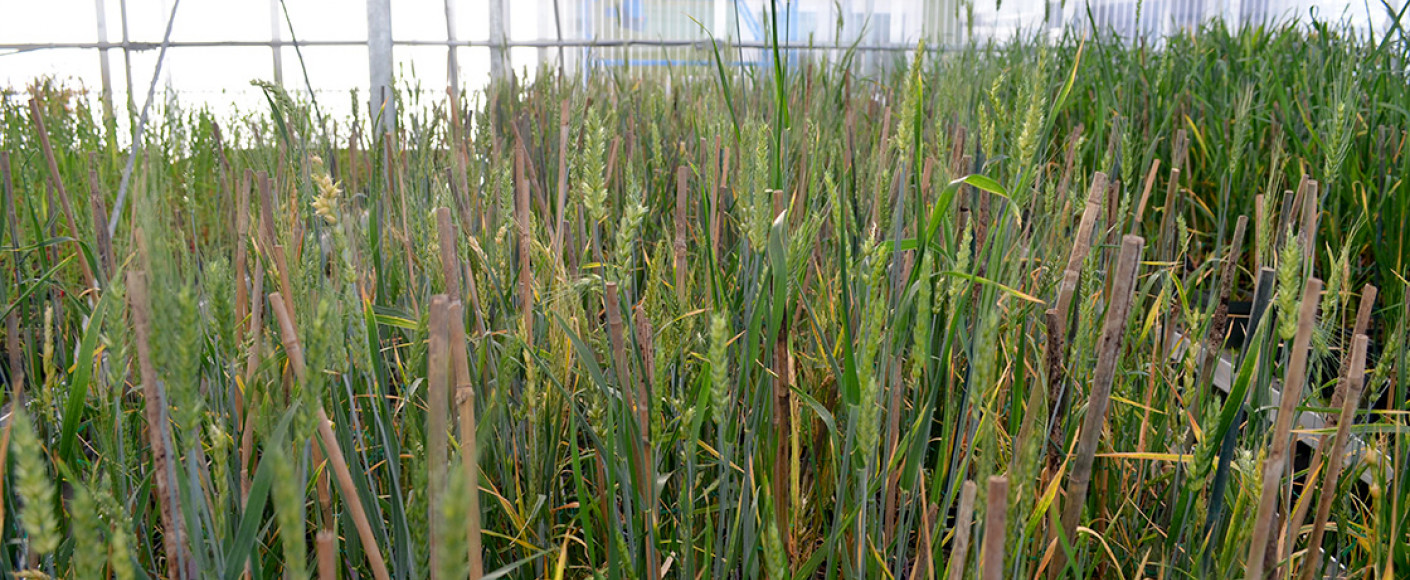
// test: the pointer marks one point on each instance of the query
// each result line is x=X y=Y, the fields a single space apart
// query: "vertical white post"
x=452 y=52
x=497 y=37
x=102 y=11
x=379 y=62
x=276 y=36
x=127 y=58
x=1233 y=10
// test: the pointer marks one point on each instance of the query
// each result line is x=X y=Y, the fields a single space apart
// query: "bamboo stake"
x=450 y=265
x=437 y=385
x=286 y=289
x=327 y=542
x=1363 y=320
x=995 y=527
x=1355 y=384
x=465 y=402
x=332 y=450
x=1108 y=350
x=639 y=405
x=164 y=478
x=964 y=521
x=1083 y=243
x=349 y=491
x=1277 y=460
x=1146 y=193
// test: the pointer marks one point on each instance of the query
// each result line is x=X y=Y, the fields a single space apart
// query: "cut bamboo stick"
x=1108 y=351
x=327 y=542
x=350 y=497
x=995 y=528
x=179 y=562
x=1355 y=384
x=465 y=403
x=1146 y=193
x=437 y=385
x=332 y=450
x=1277 y=460
x=1294 y=527
x=450 y=265
x=964 y=522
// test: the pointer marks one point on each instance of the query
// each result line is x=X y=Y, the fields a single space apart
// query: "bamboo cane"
x=1108 y=350
x=1277 y=459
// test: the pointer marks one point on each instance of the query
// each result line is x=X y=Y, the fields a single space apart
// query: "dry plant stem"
x=353 y=158
x=12 y=330
x=995 y=524
x=437 y=385
x=526 y=274
x=465 y=403
x=924 y=568
x=55 y=178
x=332 y=450
x=682 y=208
x=100 y=219
x=1277 y=460
x=242 y=236
x=1355 y=384
x=964 y=522
x=174 y=534
x=561 y=223
x=1108 y=351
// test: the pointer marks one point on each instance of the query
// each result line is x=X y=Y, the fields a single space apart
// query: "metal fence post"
x=276 y=46
x=497 y=48
x=127 y=60
x=452 y=60
x=102 y=13
x=379 y=63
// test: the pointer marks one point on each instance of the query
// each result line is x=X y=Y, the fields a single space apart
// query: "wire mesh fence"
x=110 y=47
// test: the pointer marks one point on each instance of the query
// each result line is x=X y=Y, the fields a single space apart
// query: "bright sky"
x=220 y=76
